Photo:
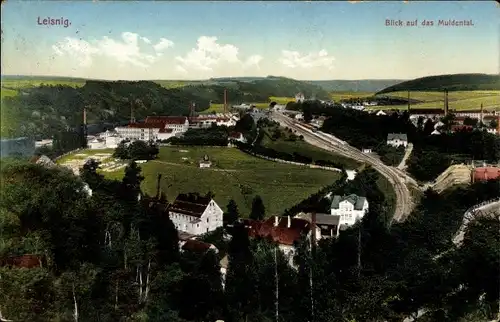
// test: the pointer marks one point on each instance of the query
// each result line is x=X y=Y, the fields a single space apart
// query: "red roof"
x=235 y=135
x=456 y=127
x=23 y=261
x=281 y=234
x=145 y=125
x=196 y=246
x=486 y=173
x=166 y=119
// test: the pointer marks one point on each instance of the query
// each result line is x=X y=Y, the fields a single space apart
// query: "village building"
x=397 y=139
x=299 y=98
x=328 y=224
x=195 y=214
x=485 y=173
x=349 y=208
x=285 y=231
x=237 y=136
x=435 y=132
x=205 y=162
x=366 y=151
x=154 y=128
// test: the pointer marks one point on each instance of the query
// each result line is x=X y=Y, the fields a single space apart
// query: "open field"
x=308 y=150
x=460 y=100
x=23 y=83
x=337 y=96
x=234 y=175
x=8 y=92
x=219 y=108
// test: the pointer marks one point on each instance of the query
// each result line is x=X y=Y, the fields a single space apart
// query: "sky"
x=204 y=39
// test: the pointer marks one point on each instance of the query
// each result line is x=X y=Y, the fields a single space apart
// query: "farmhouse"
x=237 y=136
x=195 y=214
x=397 y=139
x=349 y=208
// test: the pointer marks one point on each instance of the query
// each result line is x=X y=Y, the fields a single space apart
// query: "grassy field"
x=460 y=100
x=23 y=83
x=234 y=175
x=337 y=96
x=308 y=150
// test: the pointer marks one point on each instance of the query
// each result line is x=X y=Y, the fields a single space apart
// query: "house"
x=397 y=139
x=366 y=151
x=284 y=231
x=485 y=173
x=299 y=98
x=96 y=144
x=350 y=208
x=237 y=136
x=328 y=224
x=381 y=113
x=195 y=214
x=438 y=125
x=205 y=162
x=299 y=116
x=43 y=160
x=435 y=132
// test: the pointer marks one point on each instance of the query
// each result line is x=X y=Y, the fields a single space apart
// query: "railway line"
x=328 y=142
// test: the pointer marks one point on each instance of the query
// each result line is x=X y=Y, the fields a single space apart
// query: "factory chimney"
x=408 y=101
x=84 y=116
x=132 y=118
x=481 y=117
x=446 y=102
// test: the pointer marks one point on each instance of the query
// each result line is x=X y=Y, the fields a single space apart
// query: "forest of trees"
x=110 y=257
x=41 y=111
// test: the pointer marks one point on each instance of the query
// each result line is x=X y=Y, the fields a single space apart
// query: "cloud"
x=209 y=54
x=162 y=45
x=146 y=40
x=294 y=59
x=124 y=51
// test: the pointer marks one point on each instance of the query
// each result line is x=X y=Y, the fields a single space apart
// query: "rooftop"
x=321 y=219
x=355 y=200
x=397 y=136
x=282 y=230
x=190 y=204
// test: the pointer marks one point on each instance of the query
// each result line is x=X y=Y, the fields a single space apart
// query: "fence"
x=309 y=165
x=469 y=215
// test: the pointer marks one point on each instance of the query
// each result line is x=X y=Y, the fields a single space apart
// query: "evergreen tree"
x=258 y=211
x=232 y=214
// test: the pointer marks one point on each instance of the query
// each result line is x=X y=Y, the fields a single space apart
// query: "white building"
x=299 y=116
x=154 y=128
x=350 y=208
x=397 y=139
x=366 y=151
x=195 y=214
x=237 y=136
x=47 y=143
x=96 y=144
x=381 y=113
x=299 y=98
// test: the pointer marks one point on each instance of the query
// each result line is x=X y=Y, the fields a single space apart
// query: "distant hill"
x=44 y=106
x=454 y=82
x=363 y=85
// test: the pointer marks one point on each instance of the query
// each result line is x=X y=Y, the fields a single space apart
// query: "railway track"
x=404 y=202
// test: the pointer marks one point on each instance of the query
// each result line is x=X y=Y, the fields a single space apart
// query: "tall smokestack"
x=445 y=102
x=408 y=101
x=481 y=117
x=84 y=116
x=225 y=101
x=132 y=118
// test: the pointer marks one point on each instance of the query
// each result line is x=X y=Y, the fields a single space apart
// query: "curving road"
x=404 y=203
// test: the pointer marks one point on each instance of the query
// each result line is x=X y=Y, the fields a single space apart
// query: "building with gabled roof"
x=349 y=208
x=195 y=214
x=397 y=139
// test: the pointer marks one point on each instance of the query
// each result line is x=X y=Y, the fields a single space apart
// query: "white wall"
x=348 y=215
x=209 y=221
x=397 y=143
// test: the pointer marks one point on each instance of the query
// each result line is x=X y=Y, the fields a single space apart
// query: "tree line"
x=113 y=256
